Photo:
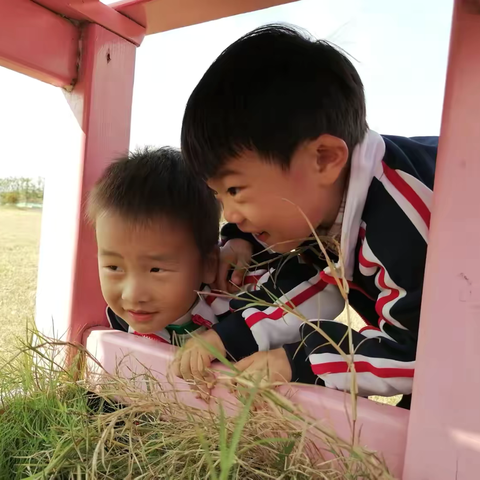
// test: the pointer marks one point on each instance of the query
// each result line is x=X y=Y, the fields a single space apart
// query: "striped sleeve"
x=391 y=258
x=383 y=365
x=271 y=315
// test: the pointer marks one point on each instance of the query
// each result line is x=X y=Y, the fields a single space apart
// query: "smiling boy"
x=156 y=228
x=277 y=125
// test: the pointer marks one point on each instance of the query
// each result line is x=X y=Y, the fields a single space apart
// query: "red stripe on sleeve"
x=252 y=279
x=331 y=281
x=408 y=192
x=369 y=327
x=209 y=299
x=364 y=262
x=362 y=367
x=294 y=302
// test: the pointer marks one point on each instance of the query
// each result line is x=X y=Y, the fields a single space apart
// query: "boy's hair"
x=268 y=92
x=154 y=183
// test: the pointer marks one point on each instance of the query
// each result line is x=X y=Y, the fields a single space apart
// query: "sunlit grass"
x=19 y=244
x=52 y=427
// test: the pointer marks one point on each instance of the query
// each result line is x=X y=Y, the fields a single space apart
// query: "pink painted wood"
x=69 y=297
x=162 y=15
x=36 y=42
x=97 y=12
x=383 y=428
x=444 y=432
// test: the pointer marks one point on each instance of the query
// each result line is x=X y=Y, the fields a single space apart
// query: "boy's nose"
x=232 y=214
x=134 y=293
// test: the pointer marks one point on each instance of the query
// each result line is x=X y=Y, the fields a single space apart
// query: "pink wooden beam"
x=161 y=15
x=444 y=431
x=36 y=42
x=69 y=297
x=96 y=12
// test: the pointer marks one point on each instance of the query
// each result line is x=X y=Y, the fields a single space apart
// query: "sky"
x=400 y=48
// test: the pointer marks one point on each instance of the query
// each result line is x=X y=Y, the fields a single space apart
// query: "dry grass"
x=50 y=429
x=19 y=244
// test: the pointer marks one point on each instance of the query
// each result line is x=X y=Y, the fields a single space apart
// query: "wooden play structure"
x=88 y=49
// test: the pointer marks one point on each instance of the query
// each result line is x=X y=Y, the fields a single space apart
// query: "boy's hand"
x=193 y=361
x=272 y=366
x=236 y=253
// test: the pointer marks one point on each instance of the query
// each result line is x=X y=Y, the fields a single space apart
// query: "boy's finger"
x=175 y=367
x=208 y=376
x=244 y=367
x=185 y=372
x=206 y=381
x=221 y=280
x=232 y=288
x=190 y=372
x=257 y=375
x=238 y=276
x=245 y=363
x=236 y=281
x=196 y=367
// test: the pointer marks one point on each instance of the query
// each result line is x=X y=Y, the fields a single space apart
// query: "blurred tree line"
x=15 y=190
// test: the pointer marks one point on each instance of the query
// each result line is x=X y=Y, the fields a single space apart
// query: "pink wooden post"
x=444 y=430
x=69 y=298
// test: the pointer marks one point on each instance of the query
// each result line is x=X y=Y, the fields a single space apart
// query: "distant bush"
x=15 y=190
x=10 y=198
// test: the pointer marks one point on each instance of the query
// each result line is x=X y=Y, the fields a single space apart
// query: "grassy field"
x=19 y=244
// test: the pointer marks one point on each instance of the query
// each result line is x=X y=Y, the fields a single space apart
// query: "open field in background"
x=19 y=244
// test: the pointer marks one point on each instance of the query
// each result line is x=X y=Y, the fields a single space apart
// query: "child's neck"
x=337 y=195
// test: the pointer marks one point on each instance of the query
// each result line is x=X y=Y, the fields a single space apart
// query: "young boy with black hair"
x=277 y=125
x=156 y=227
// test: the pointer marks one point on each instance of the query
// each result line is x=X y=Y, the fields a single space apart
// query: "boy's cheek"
x=110 y=296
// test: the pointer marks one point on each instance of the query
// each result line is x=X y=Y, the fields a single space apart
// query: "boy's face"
x=264 y=199
x=149 y=274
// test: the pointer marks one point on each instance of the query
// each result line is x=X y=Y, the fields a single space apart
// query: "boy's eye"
x=233 y=191
x=156 y=270
x=112 y=268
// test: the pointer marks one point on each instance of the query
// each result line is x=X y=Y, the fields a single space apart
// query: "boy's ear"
x=331 y=154
x=210 y=266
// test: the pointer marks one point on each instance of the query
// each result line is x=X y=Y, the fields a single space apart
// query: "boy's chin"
x=142 y=329
x=146 y=329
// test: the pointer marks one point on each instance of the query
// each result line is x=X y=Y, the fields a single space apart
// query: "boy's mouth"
x=141 y=315
x=261 y=236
